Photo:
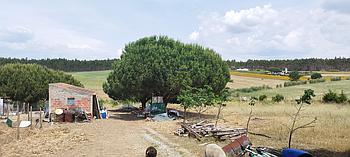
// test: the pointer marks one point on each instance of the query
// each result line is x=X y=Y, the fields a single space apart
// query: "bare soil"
x=122 y=135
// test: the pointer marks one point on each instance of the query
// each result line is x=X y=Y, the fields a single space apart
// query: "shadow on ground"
x=130 y=116
x=328 y=153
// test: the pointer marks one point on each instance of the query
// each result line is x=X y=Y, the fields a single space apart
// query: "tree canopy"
x=30 y=82
x=161 y=66
x=316 y=76
x=294 y=76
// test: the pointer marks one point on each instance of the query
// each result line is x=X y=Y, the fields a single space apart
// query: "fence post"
x=40 y=120
x=18 y=121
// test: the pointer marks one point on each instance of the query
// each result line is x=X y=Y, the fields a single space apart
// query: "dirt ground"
x=121 y=135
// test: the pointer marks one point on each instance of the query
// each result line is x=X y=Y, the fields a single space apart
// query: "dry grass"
x=246 y=82
x=331 y=131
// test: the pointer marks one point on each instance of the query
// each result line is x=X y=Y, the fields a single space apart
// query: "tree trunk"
x=290 y=138
x=143 y=103
x=185 y=114
x=218 y=115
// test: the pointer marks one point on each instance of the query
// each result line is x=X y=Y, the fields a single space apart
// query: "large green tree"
x=161 y=66
x=30 y=82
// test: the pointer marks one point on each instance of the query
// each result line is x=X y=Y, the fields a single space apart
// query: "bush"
x=342 y=98
x=334 y=97
x=348 y=78
x=316 y=76
x=278 y=98
x=317 y=81
x=294 y=76
x=262 y=97
x=337 y=78
x=329 y=97
x=294 y=83
x=252 y=89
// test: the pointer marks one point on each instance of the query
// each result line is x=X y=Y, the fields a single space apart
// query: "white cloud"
x=194 y=35
x=15 y=34
x=267 y=32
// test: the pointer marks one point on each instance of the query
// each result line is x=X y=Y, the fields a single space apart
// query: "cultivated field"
x=293 y=92
x=246 y=82
x=93 y=80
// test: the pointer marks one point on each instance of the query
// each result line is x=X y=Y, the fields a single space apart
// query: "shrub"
x=252 y=89
x=342 y=98
x=294 y=76
x=334 y=97
x=262 y=97
x=348 y=78
x=329 y=97
x=278 y=98
x=317 y=81
x=336 y=78
x=316 y=76
x=294 y=83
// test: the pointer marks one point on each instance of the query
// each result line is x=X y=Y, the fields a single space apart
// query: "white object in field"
x=1 y=106
x=58 y=111
x=243 y=69
x=213 y=150
x=24 y=124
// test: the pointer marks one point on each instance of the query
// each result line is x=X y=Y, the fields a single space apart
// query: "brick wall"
x=58 y=99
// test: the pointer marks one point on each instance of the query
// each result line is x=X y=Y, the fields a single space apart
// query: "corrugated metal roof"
x=73 y=88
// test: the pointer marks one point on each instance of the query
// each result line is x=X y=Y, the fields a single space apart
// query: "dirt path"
x=122 y=136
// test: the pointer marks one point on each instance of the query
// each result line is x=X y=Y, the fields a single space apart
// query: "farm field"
x=246 y=82
x=93 y=80
x=292 y=92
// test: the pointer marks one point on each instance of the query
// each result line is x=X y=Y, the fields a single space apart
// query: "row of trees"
x=29 y=83
x=310 y=64
x=64 y=64
x=161 y=66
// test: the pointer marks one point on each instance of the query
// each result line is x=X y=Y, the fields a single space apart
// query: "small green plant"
x=330 y=97
x=336 y=78
x=334 y=97
x=348 y=78
x=278 y=98
x=262 y=97
x=342 y=98
x=303 y=101
x=316 y=76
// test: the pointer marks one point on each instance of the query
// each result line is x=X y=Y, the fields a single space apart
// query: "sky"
x=236 y=29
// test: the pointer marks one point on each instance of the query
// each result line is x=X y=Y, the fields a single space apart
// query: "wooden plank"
x=192 y=132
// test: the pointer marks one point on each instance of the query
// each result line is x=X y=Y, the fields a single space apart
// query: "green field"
x=92 y=80
x=293 y=92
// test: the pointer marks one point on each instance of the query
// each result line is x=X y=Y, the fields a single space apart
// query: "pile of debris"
x=202 y=129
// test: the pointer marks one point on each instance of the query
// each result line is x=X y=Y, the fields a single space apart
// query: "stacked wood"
x=200 y=130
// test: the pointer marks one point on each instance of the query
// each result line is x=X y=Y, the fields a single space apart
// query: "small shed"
x=65 y=96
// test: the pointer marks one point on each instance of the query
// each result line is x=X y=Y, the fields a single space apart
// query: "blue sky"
x=241 y=30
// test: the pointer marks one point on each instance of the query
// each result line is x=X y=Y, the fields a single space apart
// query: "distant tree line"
x=310 y=64
x=64 y=64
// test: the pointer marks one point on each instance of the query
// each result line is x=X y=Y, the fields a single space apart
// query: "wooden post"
x=40 y=120
x=18 y=121
x=27 y=110
x=8 y=111
x=31 y=116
